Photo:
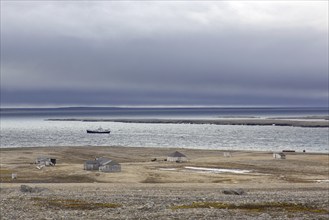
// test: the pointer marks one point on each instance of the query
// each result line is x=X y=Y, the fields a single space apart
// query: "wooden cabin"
x=177 y=157
x=91 y=165
x=102 y=164
x=110 y=166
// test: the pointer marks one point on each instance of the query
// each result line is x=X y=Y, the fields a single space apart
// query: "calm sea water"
x=28 y=127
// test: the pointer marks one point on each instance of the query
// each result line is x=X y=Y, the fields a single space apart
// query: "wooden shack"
x=177 y=157
x=102 y=164
x=227 y=154
x=279 y=156
x=91 y=165
x=110 y=166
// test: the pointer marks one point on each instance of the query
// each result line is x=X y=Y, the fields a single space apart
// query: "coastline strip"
x=249 y=122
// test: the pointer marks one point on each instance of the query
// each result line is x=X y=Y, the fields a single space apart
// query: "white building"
x=279 y=156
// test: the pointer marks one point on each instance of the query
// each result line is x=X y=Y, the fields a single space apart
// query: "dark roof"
x=91 y=162
x=176 y=154
x=110 y=162
x=101 y=161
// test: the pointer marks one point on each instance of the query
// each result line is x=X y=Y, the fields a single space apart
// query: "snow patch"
x=216 y=170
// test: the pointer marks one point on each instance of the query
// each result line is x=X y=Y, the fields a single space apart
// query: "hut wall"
x=91 y=166
x=279 y=156
x=110 y=168
x=176 y=159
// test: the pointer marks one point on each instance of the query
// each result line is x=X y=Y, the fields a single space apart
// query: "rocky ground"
x=294 y=188
x=162 y=201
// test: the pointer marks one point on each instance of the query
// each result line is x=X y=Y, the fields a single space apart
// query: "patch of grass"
x=72 y=204
x=151 y=180
x=258 y=207
x=224 y=180
x=6 y=172
x=5 y=175
x=72 y=179
x=41 y=178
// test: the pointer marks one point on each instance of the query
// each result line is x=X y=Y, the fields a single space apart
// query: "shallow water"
x=29 y=132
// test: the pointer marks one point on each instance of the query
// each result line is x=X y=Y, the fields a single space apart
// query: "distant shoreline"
x=156 y=149
x=316 y=121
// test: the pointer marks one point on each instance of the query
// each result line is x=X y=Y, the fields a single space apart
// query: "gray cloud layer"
x=176 y=53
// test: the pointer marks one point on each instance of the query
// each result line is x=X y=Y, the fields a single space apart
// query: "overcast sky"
x=106 y=53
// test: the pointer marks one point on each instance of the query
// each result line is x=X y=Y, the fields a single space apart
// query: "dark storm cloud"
x=118 y=55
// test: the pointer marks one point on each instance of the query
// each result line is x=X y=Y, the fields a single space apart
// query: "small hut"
x=227 y=154
x=91 y=165
x=110 y=166
x=279 y=156
x=177 y=157
x=102 y=164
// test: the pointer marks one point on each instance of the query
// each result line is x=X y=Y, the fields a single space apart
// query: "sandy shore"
x=295 y=188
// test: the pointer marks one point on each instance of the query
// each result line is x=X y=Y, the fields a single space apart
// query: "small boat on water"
x=99 y=131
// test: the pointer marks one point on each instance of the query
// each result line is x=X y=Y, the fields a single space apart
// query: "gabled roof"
x=110 y=162
x=103 y=160
x=176 y=154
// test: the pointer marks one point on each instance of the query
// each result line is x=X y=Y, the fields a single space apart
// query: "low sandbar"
x=294 y=122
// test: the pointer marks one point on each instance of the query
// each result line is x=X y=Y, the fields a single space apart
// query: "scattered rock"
x=29 y=189
x=158 y=202
x=25 y=188
x=264 y=216
x=146 y=206
x=233 y=191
